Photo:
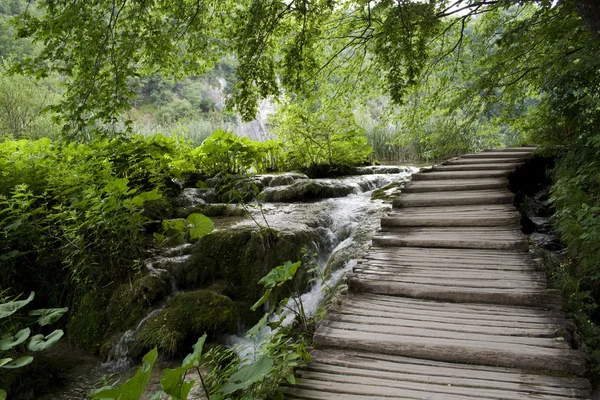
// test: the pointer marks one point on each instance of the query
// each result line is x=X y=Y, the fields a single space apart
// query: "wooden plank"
x=545 y=325
x=498 y=154
x=468 y=308
x=449 y=331
x=485 y=160
x=477 y=167
x=444 y=185
x=419 y=370
x=496 y=237
x=454 y=350
x=532 y=298
x=455 y=198
x=433 y=175
x=523 y=149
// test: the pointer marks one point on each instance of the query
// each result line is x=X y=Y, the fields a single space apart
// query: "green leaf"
x=41 y=342
x=173 y=384
x=3 y=394
x=10 y=341
x=48 y=316
x=247 y=375
x=18 y=363
x=11 y=307
x=134 y=387
x=192 y=360
x=262 y=300
x=141 y=198
x=201 y=225
x=4 y=361
x=291 y=379
x=118 y=185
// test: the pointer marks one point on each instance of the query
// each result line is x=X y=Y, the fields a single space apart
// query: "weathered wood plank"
x=433 y=175
x=428 y=368
x=444 y=185
x=498 y=154
x=367 y=284
x=458 y=198
x=454 y=350
x=477 y=167
x=485 y=160
x=497 y=238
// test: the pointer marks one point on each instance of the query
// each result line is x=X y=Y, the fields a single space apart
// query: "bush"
x=71 y=214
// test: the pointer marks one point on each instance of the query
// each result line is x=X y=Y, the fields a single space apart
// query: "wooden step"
x=477 y=167
x=524 y=149
x=434 y=175
x=469 y=161
x=454 y=334
x=463 y=259
x=498 y=154
x=498 y=238
x=476 y=215
x=354 y=375
x=456 y=198
x=445 y=185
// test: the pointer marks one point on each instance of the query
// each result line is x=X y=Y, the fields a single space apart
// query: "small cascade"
x=121 y=356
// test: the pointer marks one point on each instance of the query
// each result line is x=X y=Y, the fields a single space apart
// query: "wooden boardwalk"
x=448 y=303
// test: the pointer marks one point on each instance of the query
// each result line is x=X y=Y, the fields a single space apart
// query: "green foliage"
x=16 y=341
x=317 y=131
x=73 y=213
x=134 y=387
x=173 y=381
x=176 y=231
x=22 y=105
x=225 y=153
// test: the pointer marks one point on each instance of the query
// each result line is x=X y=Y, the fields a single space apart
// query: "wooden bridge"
x=448 y=303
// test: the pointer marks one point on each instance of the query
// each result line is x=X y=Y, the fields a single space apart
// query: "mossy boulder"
x=239 y=257
x=158 y=209
x=132 y=301
x=211 y=210
x=304 y=190
x=88 y=323
x=185 y=318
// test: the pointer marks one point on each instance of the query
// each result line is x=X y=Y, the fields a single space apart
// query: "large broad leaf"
x=262 y=300
x=10 y=341
x=134 y=387
x=172 y=383
x=146 y=196
x=4 y=361
x=11 y=307
x=192 y=360
x=41 y=342
x=48 y=316
x=201 y=225
x=3 y=394
x=18 y=363
x=247 y=375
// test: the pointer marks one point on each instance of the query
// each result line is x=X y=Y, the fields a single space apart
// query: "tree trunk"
x=589 y=10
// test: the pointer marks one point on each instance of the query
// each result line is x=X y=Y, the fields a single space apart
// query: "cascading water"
x=343 y=225
x=349 y=223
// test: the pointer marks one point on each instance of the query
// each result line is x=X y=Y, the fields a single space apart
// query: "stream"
x=343 y=226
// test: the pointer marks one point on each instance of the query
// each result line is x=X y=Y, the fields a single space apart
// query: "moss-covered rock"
x=302 y=190
x=132 y=301
x=186 y=317
x=239 y=257
x=158 y=209
x=387 y=193
x=211 y=210
x=89 y=322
